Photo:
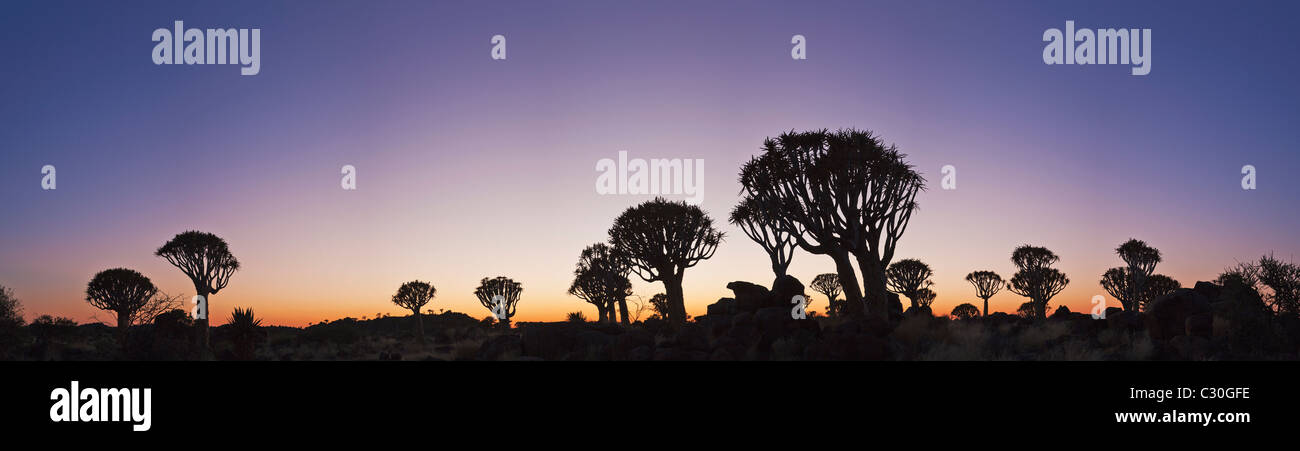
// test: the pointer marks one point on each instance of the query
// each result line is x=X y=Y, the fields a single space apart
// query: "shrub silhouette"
x=1036 y=279
x=908 y=277
x=659 y=303
x=506 y=290
x=123 y=292
x=601 y=279
x=576 y=317
x=206 y=259
x=11 y=323
x=828 y=284
x=965 y=311
x=1276 y=282
x=51 y=333
x=661 y=239
x=843 y=194
x=245 y=332
x=761 y=226
x=413 y=296
x=987 y=284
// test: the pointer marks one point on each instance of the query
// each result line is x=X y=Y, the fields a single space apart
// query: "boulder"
x=724 y=306
x=784 y=289
x=1199 y=325
x=1125 y=320
x=1166 y=317
x=1209 y=290
x=749 y=297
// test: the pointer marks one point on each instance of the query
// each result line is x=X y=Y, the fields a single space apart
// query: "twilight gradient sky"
x=469 y=167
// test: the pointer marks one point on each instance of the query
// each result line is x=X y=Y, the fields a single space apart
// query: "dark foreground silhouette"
x=1208 y=322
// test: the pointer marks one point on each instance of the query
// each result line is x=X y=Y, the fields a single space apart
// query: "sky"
x=469 y=167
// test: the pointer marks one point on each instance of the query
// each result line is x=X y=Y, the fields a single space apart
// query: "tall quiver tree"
x=206 y=260
x=601 y=279
x=987 y=284
x=909 y=277
x=828 y=284
x=1036 y=278
x=123 y=292
x=660 y=240
x=413 y=296
x=843 y=194
x=761 y=226
x=1141 y=260
x=501 y=296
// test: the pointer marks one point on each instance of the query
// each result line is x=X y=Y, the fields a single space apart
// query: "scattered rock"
x=1166 y=317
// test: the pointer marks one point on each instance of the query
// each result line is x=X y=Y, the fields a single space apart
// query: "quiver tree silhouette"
x=908 y=277
x=1141 y=261
x=206 y=260
x=925 y=297
x=501 y=296
x=987 y=284
x=245 y=332
x=123 y=292
x=660 y=240
x=413 y=296
x=965 y=311
x=828 y=284
x=601 y=279
x=761 y=227
x=1036 y=279
x=843 y=194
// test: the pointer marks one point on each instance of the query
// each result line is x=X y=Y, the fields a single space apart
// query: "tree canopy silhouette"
x=123 y=292
x=660 y=240
x=1036 y=279
x=601 y=279
x=761 y=227
x=987 y=284
x=965 y=311
x=843 y=194
x=11 y=323
x=501 y=296
x=908 y=277
x=659 y=304
x=1141 y=261
x=413 y=296
x=206 y=259
x=828 y=284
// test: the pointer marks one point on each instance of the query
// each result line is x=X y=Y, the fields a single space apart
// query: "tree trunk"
x=622 y=311
x=419 y=322
x=873 y=282
x=986 y=306
x=206 y=348
x=778 y=267
x=123 y=326
x=852 y=291
x=602 y=313
x=676 y=302
x=849 y=283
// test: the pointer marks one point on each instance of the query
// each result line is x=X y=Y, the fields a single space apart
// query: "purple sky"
x=470 y=167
